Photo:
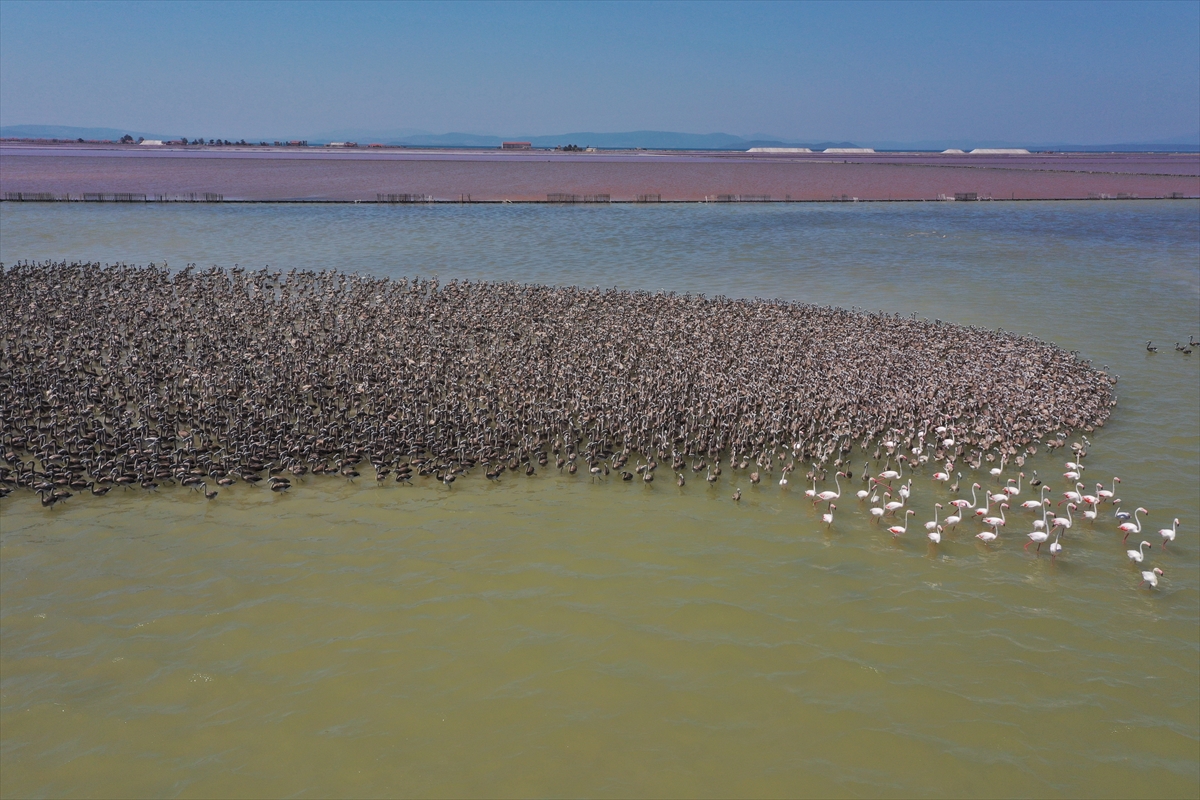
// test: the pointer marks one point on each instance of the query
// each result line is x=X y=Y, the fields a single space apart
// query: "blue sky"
x=1080 y=72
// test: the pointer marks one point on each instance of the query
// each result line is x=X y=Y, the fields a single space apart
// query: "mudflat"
x=398 y=174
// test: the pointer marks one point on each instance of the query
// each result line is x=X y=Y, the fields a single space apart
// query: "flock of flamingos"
x=886 y=498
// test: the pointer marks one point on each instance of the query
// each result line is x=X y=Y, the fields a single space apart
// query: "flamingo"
x=987 y=506
x=813 y=491
x=906 y=490
x=935 y=536
x=932 y=525
x=863 y=494
x=1037 y=536
x=1090 y=499
x=1168 y=534
x=1119 y=514
x=1055 y=547
x=997 y=471
x=952 y=520
x=941 y=476
x=963 y=504
x=827 y=496
x=893 y=506
x=1032 y=504
x=987 y=537
x=996 y=522
x=1132 y=527
x=1136 y=556
x=1107 y=494
x=1059 y=522
x=891 y=474
x=998 y=497
x=1013 y=491
x=1075 y=496
x=1151 y=578
x=897 y=530
x=1040 y=524
x=827 y=517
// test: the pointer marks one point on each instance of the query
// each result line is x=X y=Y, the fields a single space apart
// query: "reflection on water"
x=549 y=636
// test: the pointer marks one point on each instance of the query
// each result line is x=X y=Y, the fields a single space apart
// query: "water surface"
x=548 y=636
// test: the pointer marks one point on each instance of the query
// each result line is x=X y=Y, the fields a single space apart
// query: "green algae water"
x=548 y=635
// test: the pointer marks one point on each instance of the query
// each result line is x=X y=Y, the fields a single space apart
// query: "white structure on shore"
x=954 y=151
x=999 y=151
x=779 y=150
x=151 y=142
x=848 y=150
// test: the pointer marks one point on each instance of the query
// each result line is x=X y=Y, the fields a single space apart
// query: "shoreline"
x=130 y=174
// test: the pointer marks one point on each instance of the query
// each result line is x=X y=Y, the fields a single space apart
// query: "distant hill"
x=650 y=140
x=68 y=132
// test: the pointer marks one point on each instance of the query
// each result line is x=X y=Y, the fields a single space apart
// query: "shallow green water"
x=550 y=636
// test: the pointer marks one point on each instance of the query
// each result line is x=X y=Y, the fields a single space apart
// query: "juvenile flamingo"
x=1168 y=534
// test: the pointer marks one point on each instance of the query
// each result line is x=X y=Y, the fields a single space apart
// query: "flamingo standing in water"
x=1055 y=547
x=827 y=517
x=1168 y=534
x=1037 y=536
x=952 y=520
x=897 y=530
x=1136 y=556
x=827 y=496
x=1059 y=522
x=891 y=474
x=1132 y=527
x=1013 y=491
x=929 y=526
x=935 y=536
x=878 y=511
x=1032 y=504
x=1040 y=524
x=1151 y=578
x=963 y=504
x=1107 y=494
x=863 y=494
x=996 y=472
x=995 y=523
x=1073 y=497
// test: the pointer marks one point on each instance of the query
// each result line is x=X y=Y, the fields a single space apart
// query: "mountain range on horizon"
x=651 y=140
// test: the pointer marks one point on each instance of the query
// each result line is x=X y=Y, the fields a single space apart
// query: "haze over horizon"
x=933 y=73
